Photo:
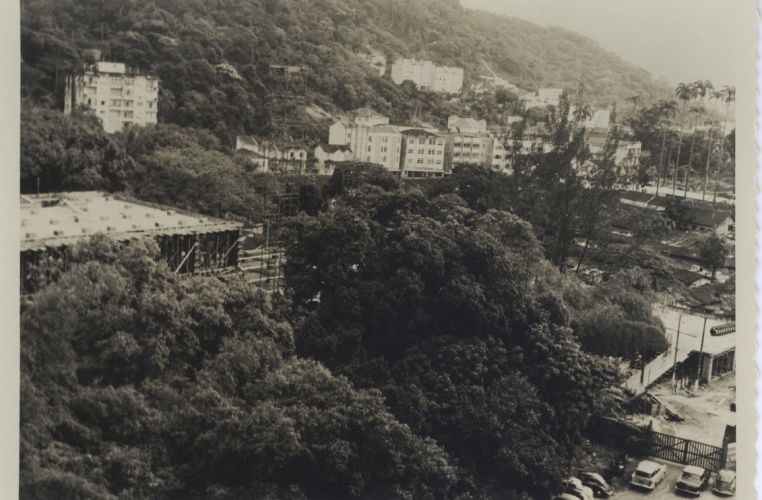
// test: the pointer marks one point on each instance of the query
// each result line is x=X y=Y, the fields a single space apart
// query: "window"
x=370 y=138
x=115 y=103
x=291 y=155
x=398 y=150
x=116 y=79
x=115 y=92
x=432 y=142
x=128 y=104
x=409 y=161
x=383 y=149
x=385 y=138
x=114 y=113
x=129 y=92
x=432 y=151
x=497 y=157
x=410 y=151
x=103 y=103
x=420 y=151
x=439 y=162
x=431 y=161
x=383 y=159
x=420 y=161
x=369 y=148
x=422 y=141
x=456 y=154
x=368 y=158
x=89 y=101
x=301 y=154
x=458 y=144
x=440 y=142
x=466 y=155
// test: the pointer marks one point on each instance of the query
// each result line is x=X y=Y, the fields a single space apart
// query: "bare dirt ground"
x=706 y=412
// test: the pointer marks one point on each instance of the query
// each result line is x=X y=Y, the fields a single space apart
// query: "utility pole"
x=701 y=357
x=674 y=364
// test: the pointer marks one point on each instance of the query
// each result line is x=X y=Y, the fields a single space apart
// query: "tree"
x=701 y=89
x=713 y=252
x=716 y=96
x=684 y=92
x=729 y=95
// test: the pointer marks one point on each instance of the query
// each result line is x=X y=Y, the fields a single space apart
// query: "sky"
x=680 y=40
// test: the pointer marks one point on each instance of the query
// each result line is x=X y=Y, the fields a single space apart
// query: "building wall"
x=472 y=150
x=119 y=98
x=427 y=76
x=424 y=155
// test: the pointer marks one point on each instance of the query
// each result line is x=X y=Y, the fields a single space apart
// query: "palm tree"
x=716 y=96
x=582 y=113
x=667 y=110
x=684 y=92
x=729 y=93
x=701 y=89
x=635 y=100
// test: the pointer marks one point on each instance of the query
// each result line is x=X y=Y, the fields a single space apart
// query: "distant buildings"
x=271 y=156
x=427 y=76
x=117 y=95
x=466 y=125
x=545 y=96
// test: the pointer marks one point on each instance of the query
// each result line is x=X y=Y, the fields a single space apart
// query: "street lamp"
x=674 y=364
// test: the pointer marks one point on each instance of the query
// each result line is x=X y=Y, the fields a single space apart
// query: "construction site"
x=190 y=243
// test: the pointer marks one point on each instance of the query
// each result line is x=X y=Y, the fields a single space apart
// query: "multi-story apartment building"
x=424 y=154
x=546 y=96
x=117 y=95
x=472 y=149
x=379 y=144
x=427 y=76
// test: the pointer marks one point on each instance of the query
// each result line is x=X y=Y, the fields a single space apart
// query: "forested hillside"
x=212 y=55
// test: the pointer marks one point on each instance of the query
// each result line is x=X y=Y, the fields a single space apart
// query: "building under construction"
x=190 y=243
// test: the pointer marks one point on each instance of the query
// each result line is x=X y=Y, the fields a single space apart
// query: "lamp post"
x=674 y=363
x=701 y=357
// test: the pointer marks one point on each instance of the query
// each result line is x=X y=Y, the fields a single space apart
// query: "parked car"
x=725 y=484
x=574 y=487
x=595 y=482
x=693 y=480
x=648 y=474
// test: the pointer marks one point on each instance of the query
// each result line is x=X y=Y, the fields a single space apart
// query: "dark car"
x=693 y=480
x=725 y=484
x=595 y=482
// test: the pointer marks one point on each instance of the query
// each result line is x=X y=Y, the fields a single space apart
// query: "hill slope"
x=184 y=42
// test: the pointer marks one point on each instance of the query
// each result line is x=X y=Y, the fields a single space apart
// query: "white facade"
x=427 y=76
x=546 y=96
x=472 y=149
x=378 y=144
x=118 y=96
x=423 y=154
x=466 y=125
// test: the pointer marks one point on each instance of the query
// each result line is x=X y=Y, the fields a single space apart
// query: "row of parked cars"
x=692 y=481
x=647 y=475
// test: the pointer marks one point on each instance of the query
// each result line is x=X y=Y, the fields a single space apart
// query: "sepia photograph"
x=350 y=249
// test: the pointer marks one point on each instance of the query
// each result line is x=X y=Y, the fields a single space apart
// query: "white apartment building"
x=472 y=149
x=423 y=154
x=117 y=95
x=427 y=76
x=466 y=125
x=380 y=144
x=546 y=96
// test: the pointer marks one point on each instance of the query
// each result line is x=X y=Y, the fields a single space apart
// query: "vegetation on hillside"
x=212 y=56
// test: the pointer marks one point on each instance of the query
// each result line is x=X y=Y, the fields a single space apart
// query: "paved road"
x=665 y=489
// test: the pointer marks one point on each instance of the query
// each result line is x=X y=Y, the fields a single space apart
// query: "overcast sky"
x=681 y=40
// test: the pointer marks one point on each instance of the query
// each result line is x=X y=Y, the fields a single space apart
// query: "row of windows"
x=384 y=138
x=384 y=149
x=468 y=145
x=419 y=161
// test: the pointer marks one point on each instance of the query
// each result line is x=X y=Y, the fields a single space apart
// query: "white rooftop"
x=63 y=219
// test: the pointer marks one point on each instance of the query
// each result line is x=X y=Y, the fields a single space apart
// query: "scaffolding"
x=287 y=98
x=263 y=262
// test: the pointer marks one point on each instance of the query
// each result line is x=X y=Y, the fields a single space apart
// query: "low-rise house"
x=456 y=123
x=545 y=96
x=720 y=222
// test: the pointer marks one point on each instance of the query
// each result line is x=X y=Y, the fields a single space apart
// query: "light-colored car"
x=725 y=484
x=648 y=474
x=693 y=480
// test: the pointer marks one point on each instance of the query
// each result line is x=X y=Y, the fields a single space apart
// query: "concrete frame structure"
x=190 y=243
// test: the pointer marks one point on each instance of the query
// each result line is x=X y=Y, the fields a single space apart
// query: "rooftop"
x=62 y=219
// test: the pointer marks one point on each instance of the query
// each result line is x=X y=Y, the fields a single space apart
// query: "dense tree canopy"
x=137 y=384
